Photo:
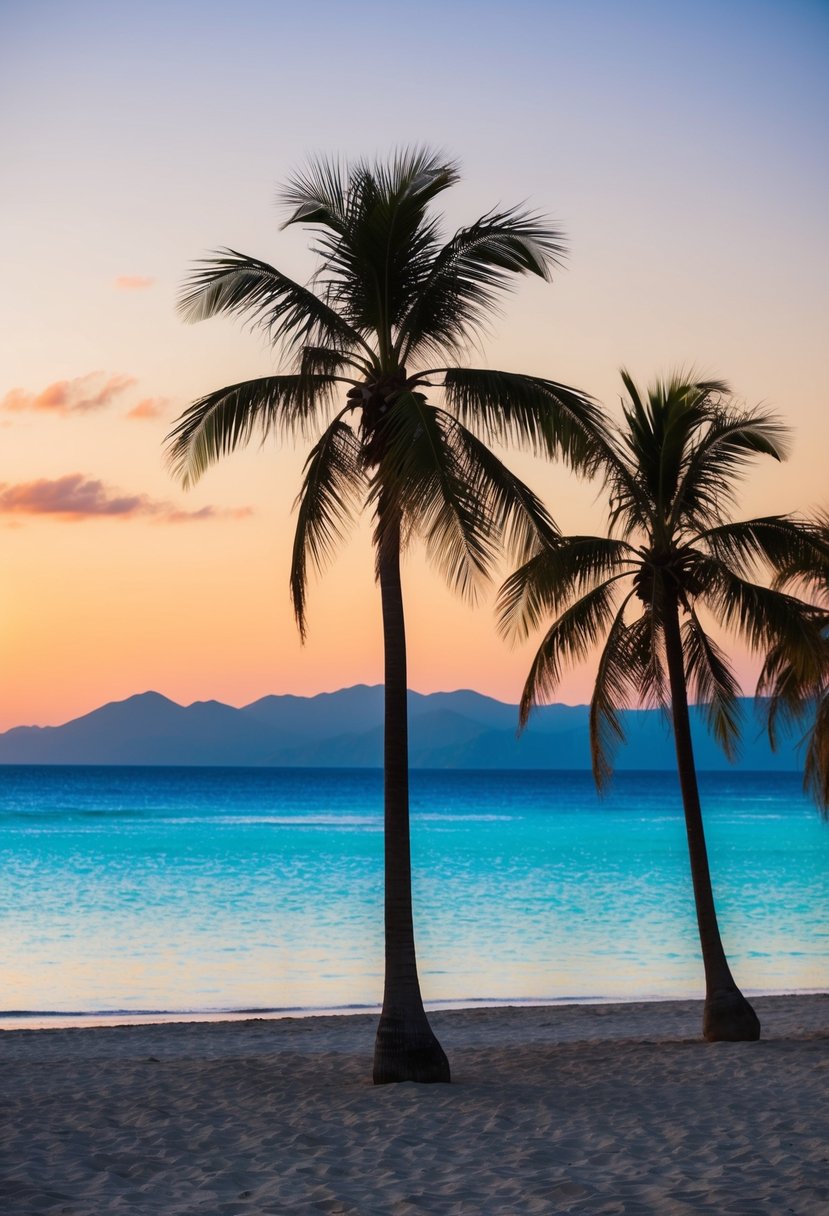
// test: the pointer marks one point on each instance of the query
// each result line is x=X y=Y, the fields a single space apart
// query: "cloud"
x=75 y=497
x=78 y=396
x=133 y=282
x=150 y=407
x=172 y=516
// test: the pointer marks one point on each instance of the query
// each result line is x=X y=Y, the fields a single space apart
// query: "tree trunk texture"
x=727 y=1015
x=406 y=1048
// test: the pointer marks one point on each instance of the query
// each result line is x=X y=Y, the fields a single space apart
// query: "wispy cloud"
x=133 y=282
x=78 y=396
x=170 y=515
x=149 y=407
x=76 y=497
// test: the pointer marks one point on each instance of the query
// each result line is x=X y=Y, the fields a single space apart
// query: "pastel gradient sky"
x=682 y=146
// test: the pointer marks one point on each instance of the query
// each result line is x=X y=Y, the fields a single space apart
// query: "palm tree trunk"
x=727 y=1014
x=406 y=1048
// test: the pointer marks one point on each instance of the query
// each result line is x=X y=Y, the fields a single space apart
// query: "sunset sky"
x=681 y=146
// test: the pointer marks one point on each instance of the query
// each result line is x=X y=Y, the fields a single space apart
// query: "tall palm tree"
x=389 y=297
x=672 y=554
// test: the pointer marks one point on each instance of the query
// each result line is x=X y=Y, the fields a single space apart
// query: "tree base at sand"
x=729 y=1018
x=406 y=1053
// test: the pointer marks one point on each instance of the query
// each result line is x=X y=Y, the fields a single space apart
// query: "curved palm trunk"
x=405 y=1048
x=727 y=1014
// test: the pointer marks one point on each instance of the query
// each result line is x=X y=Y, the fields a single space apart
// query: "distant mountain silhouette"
x=345 y=730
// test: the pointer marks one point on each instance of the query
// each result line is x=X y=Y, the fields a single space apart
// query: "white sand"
x=591 y=1109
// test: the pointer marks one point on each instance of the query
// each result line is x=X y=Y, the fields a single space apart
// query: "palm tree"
x=672 y=554
x=388 y=297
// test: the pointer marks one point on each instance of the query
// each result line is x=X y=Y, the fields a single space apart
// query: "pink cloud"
x=183 y=517
x=150 y=407
x=133 y=282
x=75 y=497
x=78 y=396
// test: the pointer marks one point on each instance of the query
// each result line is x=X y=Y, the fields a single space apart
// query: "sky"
x=681 y=147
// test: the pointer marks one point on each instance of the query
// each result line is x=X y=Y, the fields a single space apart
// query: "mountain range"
x=344 y=729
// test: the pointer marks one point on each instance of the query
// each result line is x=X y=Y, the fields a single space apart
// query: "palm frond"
x=333 y=485
x=416 y=172
x=778 y=693
x=470 y=271
x=795 y=697
x=613 y=690
x=518 y=517
x=224 y=420
x=231 y=282
x=816 y=768
x=630 y=509
x=763 y=617
x=712 y=684
x=424 y=481
x=785 y=692
x=719 y=459
x=325 y=361
x=646 y=655
x=550 y=418
x=569 y=639
x=560 y=572
x=317 y=194
x=809 y=572
x=781 y=543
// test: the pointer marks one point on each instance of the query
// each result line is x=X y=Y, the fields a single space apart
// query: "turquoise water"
x=223 y=889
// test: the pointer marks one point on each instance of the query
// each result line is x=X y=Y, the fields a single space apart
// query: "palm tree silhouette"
x=672 y=550
x=389 y=296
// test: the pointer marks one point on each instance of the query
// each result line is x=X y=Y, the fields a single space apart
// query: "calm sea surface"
x=130 y=889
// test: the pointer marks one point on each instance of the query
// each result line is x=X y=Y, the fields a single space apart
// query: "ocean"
x=182 y=890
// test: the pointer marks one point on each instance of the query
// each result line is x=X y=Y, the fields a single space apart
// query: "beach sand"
x=591 y=1109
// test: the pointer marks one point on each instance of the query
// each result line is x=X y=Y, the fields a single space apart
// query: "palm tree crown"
x=389 y=297
x=673 y=555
